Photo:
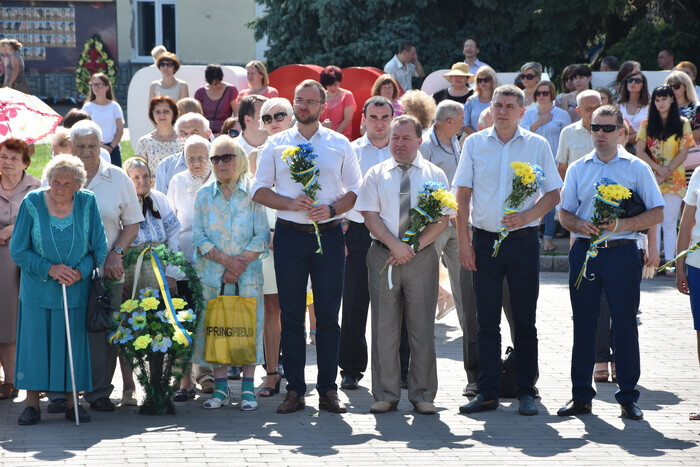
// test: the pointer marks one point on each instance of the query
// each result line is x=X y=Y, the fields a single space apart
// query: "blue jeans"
x=519 y=262
x=295 y=260
x=617 y=272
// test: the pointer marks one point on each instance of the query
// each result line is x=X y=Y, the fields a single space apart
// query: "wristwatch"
x=332 y=208
x=119 y=250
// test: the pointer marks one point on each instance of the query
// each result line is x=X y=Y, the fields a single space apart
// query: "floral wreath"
x=94 y=59
x=149 y=341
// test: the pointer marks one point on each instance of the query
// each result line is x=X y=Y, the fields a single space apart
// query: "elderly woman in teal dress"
x=57 y=230
x=230 y=236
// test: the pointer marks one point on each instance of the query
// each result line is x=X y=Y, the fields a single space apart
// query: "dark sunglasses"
x=233 y=133
x=279 y=116
x=224 y=158
x=542 y=93
x=484 y=80
x=528 y=76
x=635 y=80
x=606 y=128
x=676 y=86
x=568 y=78
x=167 y=64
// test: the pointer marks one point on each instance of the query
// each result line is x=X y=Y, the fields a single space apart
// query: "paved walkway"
x=670 y=388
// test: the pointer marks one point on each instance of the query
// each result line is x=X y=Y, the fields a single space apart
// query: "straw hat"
x=459 y=69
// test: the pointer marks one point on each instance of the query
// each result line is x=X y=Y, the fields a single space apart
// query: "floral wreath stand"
x=155 y=336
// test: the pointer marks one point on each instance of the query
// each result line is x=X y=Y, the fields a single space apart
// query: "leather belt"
x=511 y=234
x=607 y=243
x=309 y=228
x=380 y=244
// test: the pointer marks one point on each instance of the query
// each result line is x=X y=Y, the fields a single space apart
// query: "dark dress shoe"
x=478 y=404
x=527 y=406
x=181 y=395
x=103 y=404
x=57 y=406
x=83 y=416
x=574 y=407
x=331 y=403
x=291 y=403
x=631 y=411
x=30 y=416
x=349 y=382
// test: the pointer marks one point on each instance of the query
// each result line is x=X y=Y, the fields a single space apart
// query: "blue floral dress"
x=230 y=226
x=40 y=240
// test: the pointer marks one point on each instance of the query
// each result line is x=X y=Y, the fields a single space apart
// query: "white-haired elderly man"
x=121 y=214
x=575 y=140
x=187 y=125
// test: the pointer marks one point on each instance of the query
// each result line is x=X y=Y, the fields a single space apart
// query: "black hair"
x=655 y=125
x=247 y=108
x=405 y=46
x=212 y=72
x=379 y=101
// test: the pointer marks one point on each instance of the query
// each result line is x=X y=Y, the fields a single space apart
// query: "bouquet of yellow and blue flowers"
x=527 y=179
x=606 y=206
x=303 y=169
x=431 y=203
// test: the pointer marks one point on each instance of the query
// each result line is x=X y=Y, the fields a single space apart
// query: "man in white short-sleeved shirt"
x=405 y=66
x=575 y=140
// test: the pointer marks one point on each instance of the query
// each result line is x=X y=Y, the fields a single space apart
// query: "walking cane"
x=70 y=355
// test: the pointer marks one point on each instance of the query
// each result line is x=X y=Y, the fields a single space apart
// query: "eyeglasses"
x=98 y=85
x=279 y=116
x=224 y=158
x=306 y=102
x=542 y=93
x=484 y=80
x=528 y=76
x=566 y=79
x=606 y=128
x=167 y=64
x=635 y=80
x=233 y=133
x=676 y=86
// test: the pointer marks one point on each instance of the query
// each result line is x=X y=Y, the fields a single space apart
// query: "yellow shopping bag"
x=229 y=330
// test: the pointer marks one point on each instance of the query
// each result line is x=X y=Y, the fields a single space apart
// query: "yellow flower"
x=524 y=171
x=291 y=151
x=446 y=198
x=129 y=306
x=180 y=338
x=150 y=303
x=179 y=303
x=614 y=192
x=142 y=342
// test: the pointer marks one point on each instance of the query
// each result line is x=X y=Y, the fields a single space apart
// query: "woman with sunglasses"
x=275 y=117
x=530 y=75
x=633 y=103
x=104 y=110
x=582 y=77
x=686 y=96
x=625 y=69
x=486 y=82
x=567 y=83
x=230 y=234
x=548 y=121
x=663 y=141
x=168 y=64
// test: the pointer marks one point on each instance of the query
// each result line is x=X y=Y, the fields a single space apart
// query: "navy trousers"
x=519 y=262
x=617 y=272
x=295 y=260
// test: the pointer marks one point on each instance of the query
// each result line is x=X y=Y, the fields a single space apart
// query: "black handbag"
x=633 y=206
x=99 y=307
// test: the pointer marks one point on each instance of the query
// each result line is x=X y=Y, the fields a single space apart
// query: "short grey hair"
x=532 y=66
x=275 y=102
x=448 y=109
x=85 y=128
x=66 y=163
x=191 y=117
x=587 y=93
x=510 y=90
x=196 y=140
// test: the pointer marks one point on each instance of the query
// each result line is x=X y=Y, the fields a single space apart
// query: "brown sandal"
x=601 y=376
x=7 y=390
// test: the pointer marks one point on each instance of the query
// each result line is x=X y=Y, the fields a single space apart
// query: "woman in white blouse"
x=634 y=104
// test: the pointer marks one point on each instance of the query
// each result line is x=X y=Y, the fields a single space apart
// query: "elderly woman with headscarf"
x=57 y=239
x=230 y=234
x=15 y=182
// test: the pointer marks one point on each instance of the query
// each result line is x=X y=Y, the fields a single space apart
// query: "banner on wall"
x=52 y=32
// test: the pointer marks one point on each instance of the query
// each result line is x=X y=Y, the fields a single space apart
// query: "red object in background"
x=358 y=80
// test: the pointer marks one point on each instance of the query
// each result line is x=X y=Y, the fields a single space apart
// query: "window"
x=155 y=22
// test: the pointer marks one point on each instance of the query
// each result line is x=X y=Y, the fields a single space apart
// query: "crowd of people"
x=211 y=181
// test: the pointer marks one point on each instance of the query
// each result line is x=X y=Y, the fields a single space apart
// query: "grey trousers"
x=415 y=290
x=448 y=249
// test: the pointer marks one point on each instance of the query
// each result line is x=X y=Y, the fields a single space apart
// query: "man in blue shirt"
x=484 y=179
x=617 y=268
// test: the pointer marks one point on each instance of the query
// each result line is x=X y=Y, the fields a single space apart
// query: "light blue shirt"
x=484 y=166
x=168 y=168
x=625 y=169
x=550 y=130
x=472 y=109
x=474 y=67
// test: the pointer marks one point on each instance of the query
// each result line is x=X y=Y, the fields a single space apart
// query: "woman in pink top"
x=258 y=82
x=218 y=98
x=340 y=103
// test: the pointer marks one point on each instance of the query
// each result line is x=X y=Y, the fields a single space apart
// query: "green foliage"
x=42 y=154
